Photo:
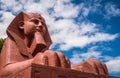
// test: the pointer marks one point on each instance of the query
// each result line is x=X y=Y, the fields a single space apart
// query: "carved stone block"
x=40 y=71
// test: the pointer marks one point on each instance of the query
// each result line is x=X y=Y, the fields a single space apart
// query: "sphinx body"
x=28 y=42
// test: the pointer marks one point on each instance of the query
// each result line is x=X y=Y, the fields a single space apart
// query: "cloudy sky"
x=81 y=29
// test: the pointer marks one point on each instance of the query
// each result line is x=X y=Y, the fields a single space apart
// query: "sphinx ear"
x=21 y=24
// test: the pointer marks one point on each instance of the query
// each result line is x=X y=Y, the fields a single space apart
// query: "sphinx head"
x=29 y=26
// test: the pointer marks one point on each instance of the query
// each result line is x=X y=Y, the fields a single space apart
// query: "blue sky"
x=81 y=29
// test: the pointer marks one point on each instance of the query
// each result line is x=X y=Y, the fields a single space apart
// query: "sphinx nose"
x=39 y=26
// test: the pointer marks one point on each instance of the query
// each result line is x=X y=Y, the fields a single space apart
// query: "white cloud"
x=67 y=10
x=12 y=5
x=114 y=65
x=86 y=11
x=71 y=35
x=6 y=19
x=80 y=57
x=111 y=10
x=88 y=28
x=102 y=37
x=8 y=3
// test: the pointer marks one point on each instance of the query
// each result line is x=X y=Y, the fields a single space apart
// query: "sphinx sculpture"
x=28 y=42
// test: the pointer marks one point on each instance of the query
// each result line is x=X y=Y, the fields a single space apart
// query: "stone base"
x=40 y=71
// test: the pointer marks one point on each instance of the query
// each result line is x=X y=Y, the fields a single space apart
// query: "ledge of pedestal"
x=40 y=71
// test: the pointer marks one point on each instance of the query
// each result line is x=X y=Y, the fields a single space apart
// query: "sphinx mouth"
x=39 y=29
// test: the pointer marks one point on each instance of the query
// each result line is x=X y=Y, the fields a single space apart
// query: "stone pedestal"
x=40 y=71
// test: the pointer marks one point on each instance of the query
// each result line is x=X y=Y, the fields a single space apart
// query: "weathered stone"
x=42 y=71
x=91 y=66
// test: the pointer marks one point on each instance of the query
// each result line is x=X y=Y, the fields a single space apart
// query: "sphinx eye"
x=35 y=21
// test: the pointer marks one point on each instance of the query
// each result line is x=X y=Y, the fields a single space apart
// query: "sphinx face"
x=33 y=25
x=34 y=29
